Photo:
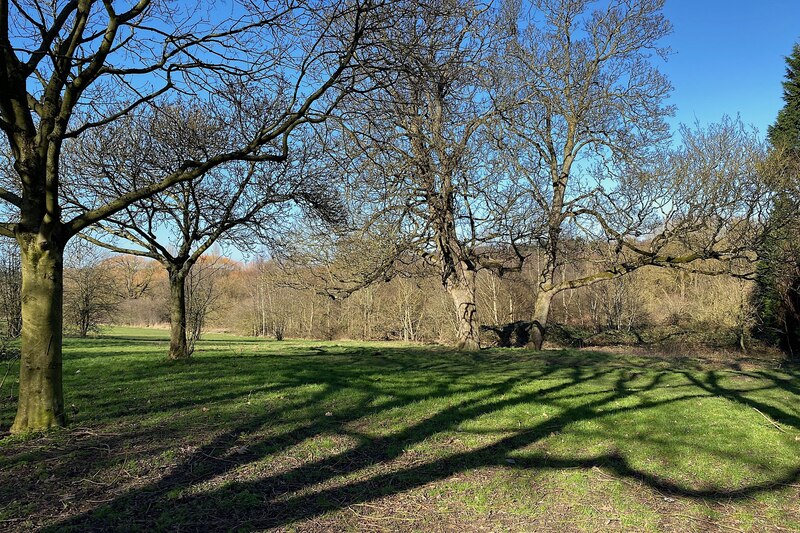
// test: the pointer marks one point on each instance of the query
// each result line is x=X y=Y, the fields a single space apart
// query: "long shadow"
x=785 y=384
x=305 y=491
x=206 y=463
x=304 y=506
x=83 y=449
x=712 y=385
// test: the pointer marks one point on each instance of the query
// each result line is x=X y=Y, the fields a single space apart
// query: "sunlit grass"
x=336 y=435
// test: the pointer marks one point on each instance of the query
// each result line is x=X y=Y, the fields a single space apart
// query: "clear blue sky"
x=728 y=57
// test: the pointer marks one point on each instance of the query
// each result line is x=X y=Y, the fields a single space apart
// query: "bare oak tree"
x=419 y=143
x=587 y=132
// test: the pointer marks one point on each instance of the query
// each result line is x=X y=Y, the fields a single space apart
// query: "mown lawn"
x=337 y=436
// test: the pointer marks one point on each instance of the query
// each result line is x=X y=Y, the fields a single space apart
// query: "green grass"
x=305 y=435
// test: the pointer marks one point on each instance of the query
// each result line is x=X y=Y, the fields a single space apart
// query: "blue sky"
x=728 y=57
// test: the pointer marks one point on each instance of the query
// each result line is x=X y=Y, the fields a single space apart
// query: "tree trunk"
x=462 y=289
x=541 y=312
x=41 y=396
x=178 y=347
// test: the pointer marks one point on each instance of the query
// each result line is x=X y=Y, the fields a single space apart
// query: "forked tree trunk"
x=462 y=289
x=41 y=396
x=178 y=346
x=541 y=312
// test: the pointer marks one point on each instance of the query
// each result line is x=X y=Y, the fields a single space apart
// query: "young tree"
x=78 y=64
x=90 y=289
x=202 y=296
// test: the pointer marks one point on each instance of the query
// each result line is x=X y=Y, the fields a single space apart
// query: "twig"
x=599 y=471
x=86 y=431
x=707 y=521
x=374 y=517
x=87 y=480
x=218 y=458
x=8 y=369
x=768 y=419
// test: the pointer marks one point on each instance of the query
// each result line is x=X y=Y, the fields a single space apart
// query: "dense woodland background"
x=263 y=297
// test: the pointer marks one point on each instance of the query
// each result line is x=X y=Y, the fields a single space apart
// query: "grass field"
x=337 y=436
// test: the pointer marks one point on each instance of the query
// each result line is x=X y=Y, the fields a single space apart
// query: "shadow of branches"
x=380 y=405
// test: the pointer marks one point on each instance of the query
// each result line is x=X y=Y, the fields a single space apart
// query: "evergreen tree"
x=777 y=293
x=786 y=130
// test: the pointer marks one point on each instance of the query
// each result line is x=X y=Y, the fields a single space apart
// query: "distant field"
x=341 y=436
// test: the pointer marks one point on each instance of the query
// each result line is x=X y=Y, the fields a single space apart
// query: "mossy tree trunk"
x=41 y=397
x=178 y=345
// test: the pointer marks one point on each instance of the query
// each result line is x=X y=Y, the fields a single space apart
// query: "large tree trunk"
x=41 y=396
x=462 y=289
x=178 y=347
x=541 y=312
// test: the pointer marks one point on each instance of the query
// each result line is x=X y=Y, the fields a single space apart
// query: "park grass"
x=339 y=436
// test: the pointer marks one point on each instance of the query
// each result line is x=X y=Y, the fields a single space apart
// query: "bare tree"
x=233 y=203
x=73 y=65
x=90 y=288
x=419 y=143
x=202 y=296
x=275 y=302
x=134 y=274
x=10 y=289
x=587 y=132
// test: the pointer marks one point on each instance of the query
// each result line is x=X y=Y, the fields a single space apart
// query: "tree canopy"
x=786 y=129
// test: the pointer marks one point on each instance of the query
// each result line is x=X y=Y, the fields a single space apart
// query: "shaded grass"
x=255 y=434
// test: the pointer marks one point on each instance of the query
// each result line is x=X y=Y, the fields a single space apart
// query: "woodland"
x=437 y=243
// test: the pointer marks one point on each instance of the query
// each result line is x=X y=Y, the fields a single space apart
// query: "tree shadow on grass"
x=225 y=484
